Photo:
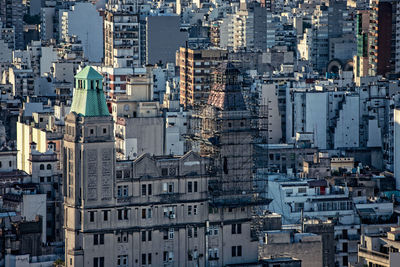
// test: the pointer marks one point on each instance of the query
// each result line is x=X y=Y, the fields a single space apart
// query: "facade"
x=121 y=39
x=163 y=38
x=151 y=211
x=380 y=249
x=196 y=67
x=86 y=23
x=10 y=16
x=383 y=38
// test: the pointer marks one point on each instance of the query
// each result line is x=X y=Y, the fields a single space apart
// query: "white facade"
x=176 y=126
x=316 y=118
x=32 y=206
x=269 y=99
x=85 y=22
x=348 y=124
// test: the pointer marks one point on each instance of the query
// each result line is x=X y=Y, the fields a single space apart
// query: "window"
x=236 y=228
x=195 y=232
x=195 y=186
x=122 y=191
x=302 y=190
x=195 y=209
x=190 y=187
x=190 y=232
x=144 y=190
x=122 y=260
x=171 y=233
x=144 y=236
x=144 y=258
x=41 y=166
x=168 y=256
x=168 y=187
x=149 y=213
x=236 y=251
x=104 y=130
x=91 y=131
x=123 y=214
x=169 y=212
x=105 y=215
x=189 y=210
x=143 y=213
x=91 y=216
x=48 y=166
x=98 y=239
x=164 y=171
x=98 y=262
x=119 y=174
x=149 y=258
x=49 y=179
x=149 y=189
x=42 y=179
x=149 y=235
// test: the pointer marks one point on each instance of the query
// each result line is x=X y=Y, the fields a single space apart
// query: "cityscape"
x=204 y=133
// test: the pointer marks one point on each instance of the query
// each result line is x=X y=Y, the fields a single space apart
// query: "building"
x=380 y=249
x=150 y=211
x=383 y=40
x=86 y=23
x=10 y=16
x=163 y=38
x=306 y=247
x=195 y=68
x=122 y=37
x=139 y=124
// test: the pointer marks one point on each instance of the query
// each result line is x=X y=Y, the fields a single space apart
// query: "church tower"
x=227 y=135
x=88 y=162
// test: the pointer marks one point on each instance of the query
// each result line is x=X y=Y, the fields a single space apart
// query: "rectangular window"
x=91 y=216
x=95 y=240
x=101 y=239
x=239 y=251
x=122 y=261
x=195 y=232
x=190 y=232
x=233 y=251
x=149 y=258
x=144 y=258
x=190 y=187
x=171 y=233
x=149 y=235
x=119 y=214
x=170 y=187
x=105 y=215
x=149 y=190
x=195 y=186
x=189 y=210
x=195 y=209
x=149 y=213
x=236 y=228
x=95 y=262
x=143 y=213
x=144 y=189
x=144 y=236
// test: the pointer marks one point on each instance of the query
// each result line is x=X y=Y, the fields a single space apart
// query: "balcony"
x=376 y=257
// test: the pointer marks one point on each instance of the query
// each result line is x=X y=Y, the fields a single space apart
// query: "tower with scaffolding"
x=226 y=130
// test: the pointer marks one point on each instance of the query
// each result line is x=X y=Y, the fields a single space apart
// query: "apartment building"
x=196 y=66
x=121 y=38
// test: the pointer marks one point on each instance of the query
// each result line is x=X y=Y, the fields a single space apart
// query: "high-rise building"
x=11 y=15
x=383 y=38
x=122 y=35
x=195 y=67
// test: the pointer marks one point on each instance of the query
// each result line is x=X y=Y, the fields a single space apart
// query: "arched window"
x=49 y=166
x=42 y=166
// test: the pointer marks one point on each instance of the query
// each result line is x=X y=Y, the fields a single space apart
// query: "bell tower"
x=88 y=161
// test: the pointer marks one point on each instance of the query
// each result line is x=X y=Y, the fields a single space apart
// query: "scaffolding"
x=226 y=130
